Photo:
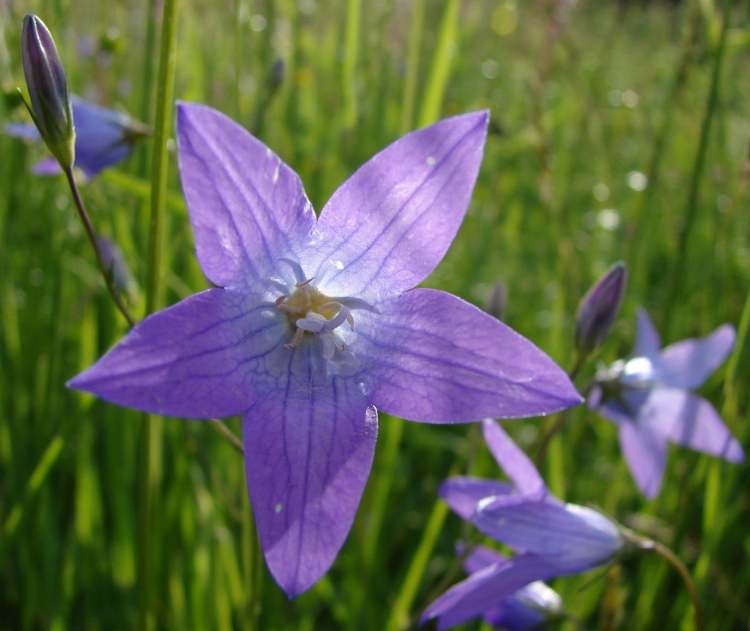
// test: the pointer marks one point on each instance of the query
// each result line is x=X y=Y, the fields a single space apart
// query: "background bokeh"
x=595 y=155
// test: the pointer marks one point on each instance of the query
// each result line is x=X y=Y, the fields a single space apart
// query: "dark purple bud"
x=276 y=76
x=599 y=307
x=497 y=299
x=115 y=265
x=48 y=89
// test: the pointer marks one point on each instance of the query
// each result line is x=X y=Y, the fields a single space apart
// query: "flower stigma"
x=314 y=315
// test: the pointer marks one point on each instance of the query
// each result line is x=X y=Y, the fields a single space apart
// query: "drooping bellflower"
x=527 y=608
x=104 y=137
x=314 y=325
x=550 y=538
x=649 y=397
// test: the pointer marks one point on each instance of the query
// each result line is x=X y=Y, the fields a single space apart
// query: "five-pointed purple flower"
x=315 y=324
x=103 y=138
x=550 y=538
x=649 y=398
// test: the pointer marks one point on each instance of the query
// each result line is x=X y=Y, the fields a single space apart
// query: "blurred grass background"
x=595 y=155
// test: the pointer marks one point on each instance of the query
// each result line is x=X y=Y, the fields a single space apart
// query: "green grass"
x=580 y=99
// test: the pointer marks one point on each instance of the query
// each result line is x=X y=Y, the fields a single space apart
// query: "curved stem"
x=649 y=545
x=88 y=226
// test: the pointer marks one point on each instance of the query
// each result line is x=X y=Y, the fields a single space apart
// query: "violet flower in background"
x=649 y=398
x=598 y=309
x=550 y=538
x=527 y=608
x=315 y=324
x=103 y=138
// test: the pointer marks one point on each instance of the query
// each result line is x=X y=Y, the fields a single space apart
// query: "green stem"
x=691 y=208
x=151 y=449
x=227 y=433
x=560 y=418
x=89 y=228
x=649 y=545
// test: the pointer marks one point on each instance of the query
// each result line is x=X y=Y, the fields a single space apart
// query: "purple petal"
x=388 y=226
x=197 y=359
x=647 y=339
x=573 y=538
x=47 y=166
x=25 y=131
x=646 y=454
x=483 y=590
x=433 y=357
x=688 y=363
x=308 y=454
x=481 y=557
x=689 y=420
x=246 y=206
x=512 y=459
x=528 y=608
x=463 y=493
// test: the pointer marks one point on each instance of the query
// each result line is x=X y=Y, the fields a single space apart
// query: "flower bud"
x=598 y=309
x=48 y=89
x=497 y=299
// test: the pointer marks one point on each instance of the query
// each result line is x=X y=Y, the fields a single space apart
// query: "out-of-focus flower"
x=48 y=90
x=315 y=323
x=497 y=299
x=528 y=608
x=115 y=265
x=649 y=398
x=103 y=138
x=599 y=308
x=550 y=538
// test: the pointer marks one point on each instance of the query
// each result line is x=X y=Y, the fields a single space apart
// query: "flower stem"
x=649 y=545
x=88 y=226
x=227 y=433
x=152 y=429
x=699 y=166
x=561 y=417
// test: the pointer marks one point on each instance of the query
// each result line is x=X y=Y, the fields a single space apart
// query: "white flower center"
x=314 y=315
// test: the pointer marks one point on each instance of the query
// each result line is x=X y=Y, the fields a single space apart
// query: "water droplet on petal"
x=278 y=508
x=430 y=160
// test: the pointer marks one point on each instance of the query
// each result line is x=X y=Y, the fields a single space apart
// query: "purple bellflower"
x=550 y=538
x=527 y=608
x=103 y=138
x=315 y=324
x=649 y=398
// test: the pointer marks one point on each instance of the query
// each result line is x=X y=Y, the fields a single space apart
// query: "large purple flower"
x=315 y=324
x=550 y=538
x=103 y=138
x=649 y=398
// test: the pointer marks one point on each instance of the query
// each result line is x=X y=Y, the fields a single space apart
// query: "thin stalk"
x=227 y=433
x=88 y=226
x=560 y=418
x=649 y=545
x=691 y=207
x=152 y=429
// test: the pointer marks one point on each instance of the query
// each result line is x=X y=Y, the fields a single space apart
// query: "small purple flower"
x=527 y=608
x=598 y=309
x=550 y=538
x=103 y=138
x=315 y=324
x=649 y=398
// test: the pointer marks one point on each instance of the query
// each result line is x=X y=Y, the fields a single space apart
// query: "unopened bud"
x=48 y=89
x=497 y=299
x=599 y=307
